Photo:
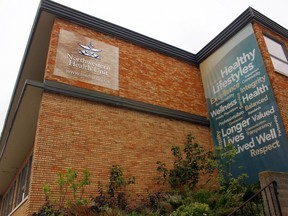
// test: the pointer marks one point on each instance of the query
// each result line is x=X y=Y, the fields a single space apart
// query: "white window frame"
x=279 y=60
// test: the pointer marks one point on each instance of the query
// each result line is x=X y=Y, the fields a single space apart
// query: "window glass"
x=18 y=198
x=22 y=184
x=9 y=197
x=19 y=191
x=28 y=177
x=280 y=66
x=4 y=206
x=11 y=200
x=278 y=55
x=8 y=201
x=275 y=49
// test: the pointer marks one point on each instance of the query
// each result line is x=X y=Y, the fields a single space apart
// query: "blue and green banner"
x=242 y=108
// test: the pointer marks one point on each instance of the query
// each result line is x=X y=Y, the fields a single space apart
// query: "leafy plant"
x=194 y=209
x=47 y=191
x=117 y=180
x=68 y=180
x=233 y=191
x=81 y=186
x=189 y=164
x=192 y=162
x=48 y=210
x=65 y=182
x=116 y=191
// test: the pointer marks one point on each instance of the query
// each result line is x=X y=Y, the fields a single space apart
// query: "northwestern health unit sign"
x=87 y=60
x=242 y=107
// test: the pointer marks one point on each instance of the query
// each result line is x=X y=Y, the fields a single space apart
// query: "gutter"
x=107 y=99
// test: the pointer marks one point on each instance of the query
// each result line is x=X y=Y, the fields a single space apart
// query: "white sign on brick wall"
x=87 y=60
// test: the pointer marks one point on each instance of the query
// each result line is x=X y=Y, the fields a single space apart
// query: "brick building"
x=67 y=111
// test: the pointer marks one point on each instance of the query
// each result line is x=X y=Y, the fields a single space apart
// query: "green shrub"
x=48 y=210
x=194 y=209
x=193 y=161
x=189 y=164
x=69 y=181
x=204 y=196
x=115 y=197
x=65 y=182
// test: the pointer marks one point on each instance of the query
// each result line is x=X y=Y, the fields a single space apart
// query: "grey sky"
x=186 y=24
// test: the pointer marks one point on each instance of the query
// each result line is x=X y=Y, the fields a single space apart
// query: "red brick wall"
x=278 y=81
x=80 y=134
x=86 y=135
x=144 y=75
x=22 y=210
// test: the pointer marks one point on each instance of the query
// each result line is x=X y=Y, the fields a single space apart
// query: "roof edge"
x=112 y=29
x=234 y=27
x=105 y=27
x=264 y=20
x=14 y=92
x=248 y=16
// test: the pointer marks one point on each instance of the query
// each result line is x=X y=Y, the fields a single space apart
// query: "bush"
x=115 y=196
x=48 y=210
x=65 y=182
x=194 y=209
x=189 y=164
x=69 y=181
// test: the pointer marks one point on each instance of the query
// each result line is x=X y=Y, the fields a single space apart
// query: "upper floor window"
x=278 y=55
x=18 y=191
x=7 y=204
x=23 y=182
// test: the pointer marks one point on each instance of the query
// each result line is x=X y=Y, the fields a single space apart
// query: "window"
x=8 y=201
x=18 y=191
x=23 y=182
x=28 y=176
x=21 y=185
x=278 y=55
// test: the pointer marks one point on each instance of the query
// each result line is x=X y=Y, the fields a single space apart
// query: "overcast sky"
x=186 y=24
